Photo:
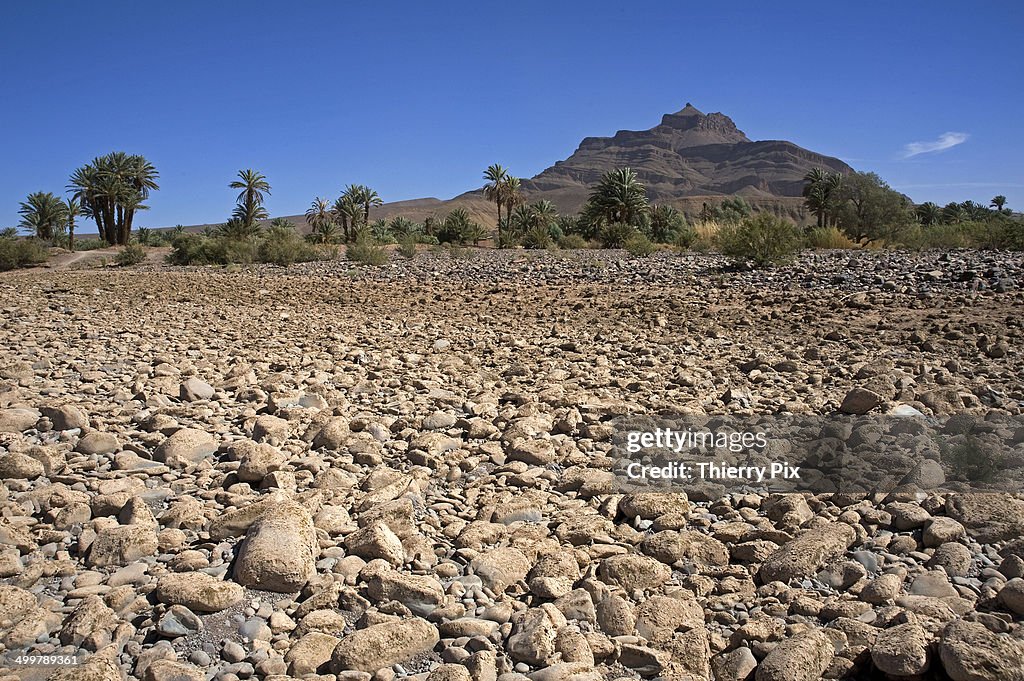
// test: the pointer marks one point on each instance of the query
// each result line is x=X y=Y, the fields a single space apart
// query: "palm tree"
x=402 y=227
x=495 y=176
x=110 y=189
x=72 y=209
x=929 y=213
x=545 y=212
x=44 y=214
x=953 y=213
x=249 y=209
x=367 y=198
x=666 y=222
x=998 y=202
x=820 y=193
x=346 y=211
x=619 y=197
x=319 y=213
x=511 y=194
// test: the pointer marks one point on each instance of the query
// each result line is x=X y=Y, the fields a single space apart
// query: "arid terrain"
x=343 y=473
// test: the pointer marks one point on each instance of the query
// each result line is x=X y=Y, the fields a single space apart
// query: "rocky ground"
x=328 y=472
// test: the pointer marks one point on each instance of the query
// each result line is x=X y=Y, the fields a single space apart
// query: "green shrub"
x=828 y=238
x=16 y=253
x=762 y=240
x=684 y=238
x=572 y=242
x=366 y=251
x=509 y=238
x=280 y=246
x=428 y=239
x=193 y=249
x=407 y=247
x=458 y=252
x=90 y=244
x=639 y=246
x=537 y=237
x=999 y=234
x=616 y=235
x=132 y=254
x=921 y=237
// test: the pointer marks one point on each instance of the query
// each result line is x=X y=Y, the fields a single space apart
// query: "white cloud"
x=946 y=140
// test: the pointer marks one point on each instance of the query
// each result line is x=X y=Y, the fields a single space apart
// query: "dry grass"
x=829 y=238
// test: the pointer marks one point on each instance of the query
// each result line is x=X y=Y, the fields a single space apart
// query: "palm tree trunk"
x=127 y=232
x=71 y=235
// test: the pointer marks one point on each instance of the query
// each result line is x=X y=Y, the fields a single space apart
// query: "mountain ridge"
x=690 y=158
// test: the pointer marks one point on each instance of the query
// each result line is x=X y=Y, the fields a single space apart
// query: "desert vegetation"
x=847 y=211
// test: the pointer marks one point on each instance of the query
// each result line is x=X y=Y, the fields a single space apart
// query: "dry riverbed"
x=329 y=472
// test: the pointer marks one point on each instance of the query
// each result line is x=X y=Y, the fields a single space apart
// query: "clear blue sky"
x=416 y=98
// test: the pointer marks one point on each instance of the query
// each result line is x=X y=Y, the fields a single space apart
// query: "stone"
x=882 y=589
x=807 y=553
x=420 y=593
x=311 y=653
x=198 y=591
x=97 y=443
x=172 y=670
x=383 y=645
x=18 y=420
x=533 y=638
x=66 y=417
x=803 y=657
x=256 y=460
x=734 y=665
x=651 y=505
x=1011 y=596
x=94 y=668
x=942 y=530
x=376 y=541
x=194 y=389
x=18 y=466
x=279 y=551
x=179 y=621
x=860 y=401
x=186 y=447
x=902 y=650
x=970 y=652
x=632 y=571
x=118 y=546
x=500 y=568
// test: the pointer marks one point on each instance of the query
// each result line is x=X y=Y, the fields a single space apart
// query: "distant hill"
x=688 y=159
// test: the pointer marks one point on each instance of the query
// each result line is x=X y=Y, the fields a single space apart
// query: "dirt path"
x=81 y=259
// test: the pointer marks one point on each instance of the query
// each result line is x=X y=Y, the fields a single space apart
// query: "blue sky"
x=415 y=98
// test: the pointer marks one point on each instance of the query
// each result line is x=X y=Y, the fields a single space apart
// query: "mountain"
x=690 y=154
x=688 y=159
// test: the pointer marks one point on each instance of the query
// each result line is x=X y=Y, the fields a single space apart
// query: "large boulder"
x=279 y=551
x=801 y=658
x=198 y=591
x=807 y=553
x=186 y=447
x=383 y=645
x=970 y=652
